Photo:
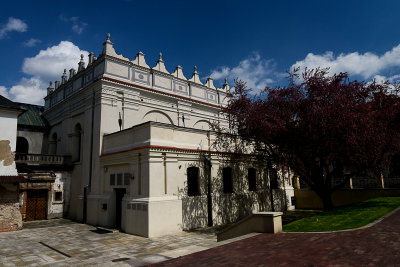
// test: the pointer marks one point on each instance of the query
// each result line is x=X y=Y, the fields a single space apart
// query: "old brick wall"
x=10 y=215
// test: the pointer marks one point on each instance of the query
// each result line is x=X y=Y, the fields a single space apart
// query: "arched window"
x=251 y=176
x=76 y=143
x=193 y=181
x=53 y=144
x=22 y=145
x=227 y=180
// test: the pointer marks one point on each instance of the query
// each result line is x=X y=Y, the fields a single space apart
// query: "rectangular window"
x=58 y=196
x=127 y=178
x=227 y=180
x=193 y=181
x=119 y=179
x=112 y=179
x=251 y=175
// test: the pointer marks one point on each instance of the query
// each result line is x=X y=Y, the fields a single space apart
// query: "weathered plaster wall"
x=8 y=139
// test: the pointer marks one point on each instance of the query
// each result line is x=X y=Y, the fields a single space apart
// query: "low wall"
x=259 y=222
x=308 y=199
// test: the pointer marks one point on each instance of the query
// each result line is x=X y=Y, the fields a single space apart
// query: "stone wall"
x=10 y=215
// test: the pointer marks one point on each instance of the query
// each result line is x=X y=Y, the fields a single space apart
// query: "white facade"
x=137 y=178
x=8 y=141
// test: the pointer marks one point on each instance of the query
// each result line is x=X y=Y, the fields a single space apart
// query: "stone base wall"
x=10 y=217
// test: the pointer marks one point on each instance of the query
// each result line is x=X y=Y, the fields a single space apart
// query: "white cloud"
x=255 y=71
x=32 y=42
x=366 y=65
x=50 y=63
x=30 y=90
x=77 y=25
x=13 y=24
x=4 y=91
x=46 y=66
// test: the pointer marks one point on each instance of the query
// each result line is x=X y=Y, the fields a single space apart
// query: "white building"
x=137 y=136
x=10 y=216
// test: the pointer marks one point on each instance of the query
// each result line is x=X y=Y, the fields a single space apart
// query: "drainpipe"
x=88 y=186
x=207 y=163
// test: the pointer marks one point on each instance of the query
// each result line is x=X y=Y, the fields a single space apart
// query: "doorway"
x=36 y=205
x=119 y=194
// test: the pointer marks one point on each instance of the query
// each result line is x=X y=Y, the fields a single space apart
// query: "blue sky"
x=256 y=41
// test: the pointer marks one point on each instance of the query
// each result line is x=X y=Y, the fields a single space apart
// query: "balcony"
x=43 y=162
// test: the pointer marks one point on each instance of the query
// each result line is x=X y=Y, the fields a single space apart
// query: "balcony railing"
x=42 y=159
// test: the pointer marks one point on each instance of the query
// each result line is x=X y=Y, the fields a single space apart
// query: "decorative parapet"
x=117 y=67
x=178 y=73
x=140 y=61
x=195 y=77
x=42 y=159
x=160 y=66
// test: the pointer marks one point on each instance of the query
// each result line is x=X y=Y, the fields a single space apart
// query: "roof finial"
x=81 y=64
x=195 y=69
x=108 y=36
x=160 y=56
x=226 y=79
x=64 y=77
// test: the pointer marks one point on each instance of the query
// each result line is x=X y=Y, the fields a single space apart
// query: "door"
x=36 y=205
x=119 y=194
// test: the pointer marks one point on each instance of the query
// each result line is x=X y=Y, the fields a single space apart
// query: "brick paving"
x=377 y=245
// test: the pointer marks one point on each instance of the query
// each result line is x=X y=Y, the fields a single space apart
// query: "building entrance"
x=119 y=194
x=36 y=205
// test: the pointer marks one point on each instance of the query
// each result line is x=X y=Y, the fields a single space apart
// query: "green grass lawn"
x=348 y=217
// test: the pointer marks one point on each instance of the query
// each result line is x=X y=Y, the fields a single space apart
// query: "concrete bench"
x=258 y=222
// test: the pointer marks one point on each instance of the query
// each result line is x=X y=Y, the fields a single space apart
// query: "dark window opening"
x=227 y=180
x=58 y=196
x=22 y=145
x=274 y=178
x=193 y=181
x=53 y=144
x=252 y=179
x=112 y=179
x=127 y=178
x=77 y=143
x=119 y=179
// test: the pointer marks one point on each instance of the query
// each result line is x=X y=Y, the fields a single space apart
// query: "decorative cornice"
x=159 y=92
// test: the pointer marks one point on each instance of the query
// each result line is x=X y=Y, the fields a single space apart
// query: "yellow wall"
x=308 y=199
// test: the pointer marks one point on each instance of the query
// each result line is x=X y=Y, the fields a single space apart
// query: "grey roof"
x=8 y=104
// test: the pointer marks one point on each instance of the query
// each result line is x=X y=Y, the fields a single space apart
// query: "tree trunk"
x=326 y=198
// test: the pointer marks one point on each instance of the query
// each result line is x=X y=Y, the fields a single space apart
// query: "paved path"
x=378 y=245
x=73 y=244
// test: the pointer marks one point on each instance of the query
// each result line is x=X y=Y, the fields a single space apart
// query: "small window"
x=127 y=178
x=58 y=196
x=119 y=179
x=251 y=175
x=112 y=179
x=227 y=180
x=193 y=181
x=274 y=179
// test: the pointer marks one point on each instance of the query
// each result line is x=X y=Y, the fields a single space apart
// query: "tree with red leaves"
x=322 y=127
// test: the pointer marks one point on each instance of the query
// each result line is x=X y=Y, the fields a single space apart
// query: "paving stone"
x=86 y=247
